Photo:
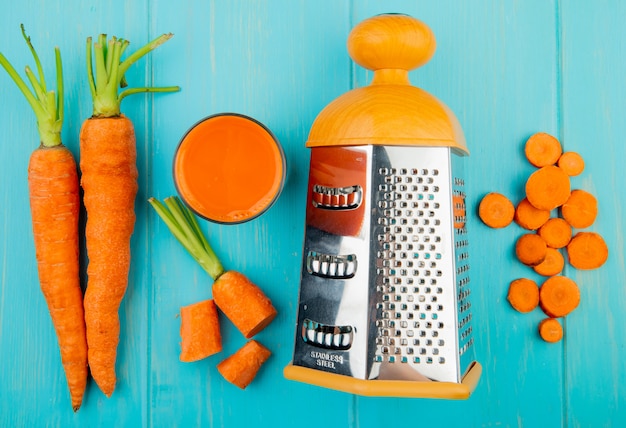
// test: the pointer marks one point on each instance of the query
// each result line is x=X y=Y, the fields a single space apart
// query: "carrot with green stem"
x=54 y=203
x=243 y=302
x=109 y=181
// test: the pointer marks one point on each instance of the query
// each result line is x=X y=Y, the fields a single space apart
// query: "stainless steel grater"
x=384 y=291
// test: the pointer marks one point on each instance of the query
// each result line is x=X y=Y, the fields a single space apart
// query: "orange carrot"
x=199 y=331
x=552 y=265
x=572 y=163
x=558 y=296
x=529 y=217
x=54 y=203
x=109 y=181
x=580 y=210
x=556 y=232
x=242 y=367
x=587 y=250
x=523 y=295
x=530 y=249
x=548 y=188
x=496 y=210
x=542 y=149
x=550 y=330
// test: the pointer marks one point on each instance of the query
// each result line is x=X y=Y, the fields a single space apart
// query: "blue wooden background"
x=506 y=68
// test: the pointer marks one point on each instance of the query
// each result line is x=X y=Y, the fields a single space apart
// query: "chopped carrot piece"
x=572 y=163
x=542 y=149
x=523 y=295
x=581 y=209
x=548 y=188
x=199 y=331
x=558 y=296
x=556 y=232
x=550 y=330
x=529 y=217
x=552 y=265
x=496 y=210
x=242 y=367
x=587 y=250
x=531 y=249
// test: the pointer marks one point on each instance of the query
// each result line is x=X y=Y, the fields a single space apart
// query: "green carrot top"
x=110 y=71
x=47 y=105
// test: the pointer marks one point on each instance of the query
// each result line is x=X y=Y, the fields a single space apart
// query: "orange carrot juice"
x=229 y=168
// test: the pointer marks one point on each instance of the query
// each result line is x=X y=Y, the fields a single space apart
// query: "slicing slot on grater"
x=327 y=336
x=331 y=266
x=337 y=198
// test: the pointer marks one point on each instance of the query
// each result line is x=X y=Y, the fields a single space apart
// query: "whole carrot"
x=54 y=203
x=109 y=181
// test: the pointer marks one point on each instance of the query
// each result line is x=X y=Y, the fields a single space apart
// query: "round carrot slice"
x=542 y=149
x=558 y=296
x=556 y=232
x=496 y=210
x=548 y=188
x=550 y=330
x=523 y=295
x=529 y=217
x=531 y=249
x=581 y=209
x=572 y=163
x=587 y=250
x=552 y=265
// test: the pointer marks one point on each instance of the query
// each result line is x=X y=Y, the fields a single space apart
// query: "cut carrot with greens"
x=496 y=210
x=558 y=296
x=548 y=188
x=523 y=295
x=552 y=265
x=199 y=331
x=556 y=232
x=529 y=217
x=55 y=204
x=550 y=330
x=242 y=367
x=531 y=249
x=572 y=163
x=109 y=181
x=243 y=302
x=543 y=149
x=587 y=250
x=580 y=210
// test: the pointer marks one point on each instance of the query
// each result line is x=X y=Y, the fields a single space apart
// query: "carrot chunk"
x=587 y=250
x=199 y=331
x=558 y=296
x=523 y=294
x=242 y=367
x=550 y=330
x=556 y=232
x=542 y=149
x=581 y=209
x=529 y=217
x=548 y=188
x=496 y=210
x=552 y=265
x=531 y=249
x=572 y=163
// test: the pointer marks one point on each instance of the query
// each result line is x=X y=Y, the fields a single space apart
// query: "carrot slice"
x=558 y=296
x=199 y=331
x=496 y=210
x=531 y=249
x=550 y=330
x=581 y=209
x=529 y=217
x=523 y=295
x=542 y=149
x=572 y=163
x=587 y=250
x=552 y=265
x=556 y=232
x=242 y=367
x=548 y=188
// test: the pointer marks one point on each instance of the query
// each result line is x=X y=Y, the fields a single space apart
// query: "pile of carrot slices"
x=553 y=217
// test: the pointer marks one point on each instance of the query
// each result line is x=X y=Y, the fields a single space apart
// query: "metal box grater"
x=384 y=303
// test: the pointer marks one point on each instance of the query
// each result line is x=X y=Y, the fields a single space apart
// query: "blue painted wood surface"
x=506 y=68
